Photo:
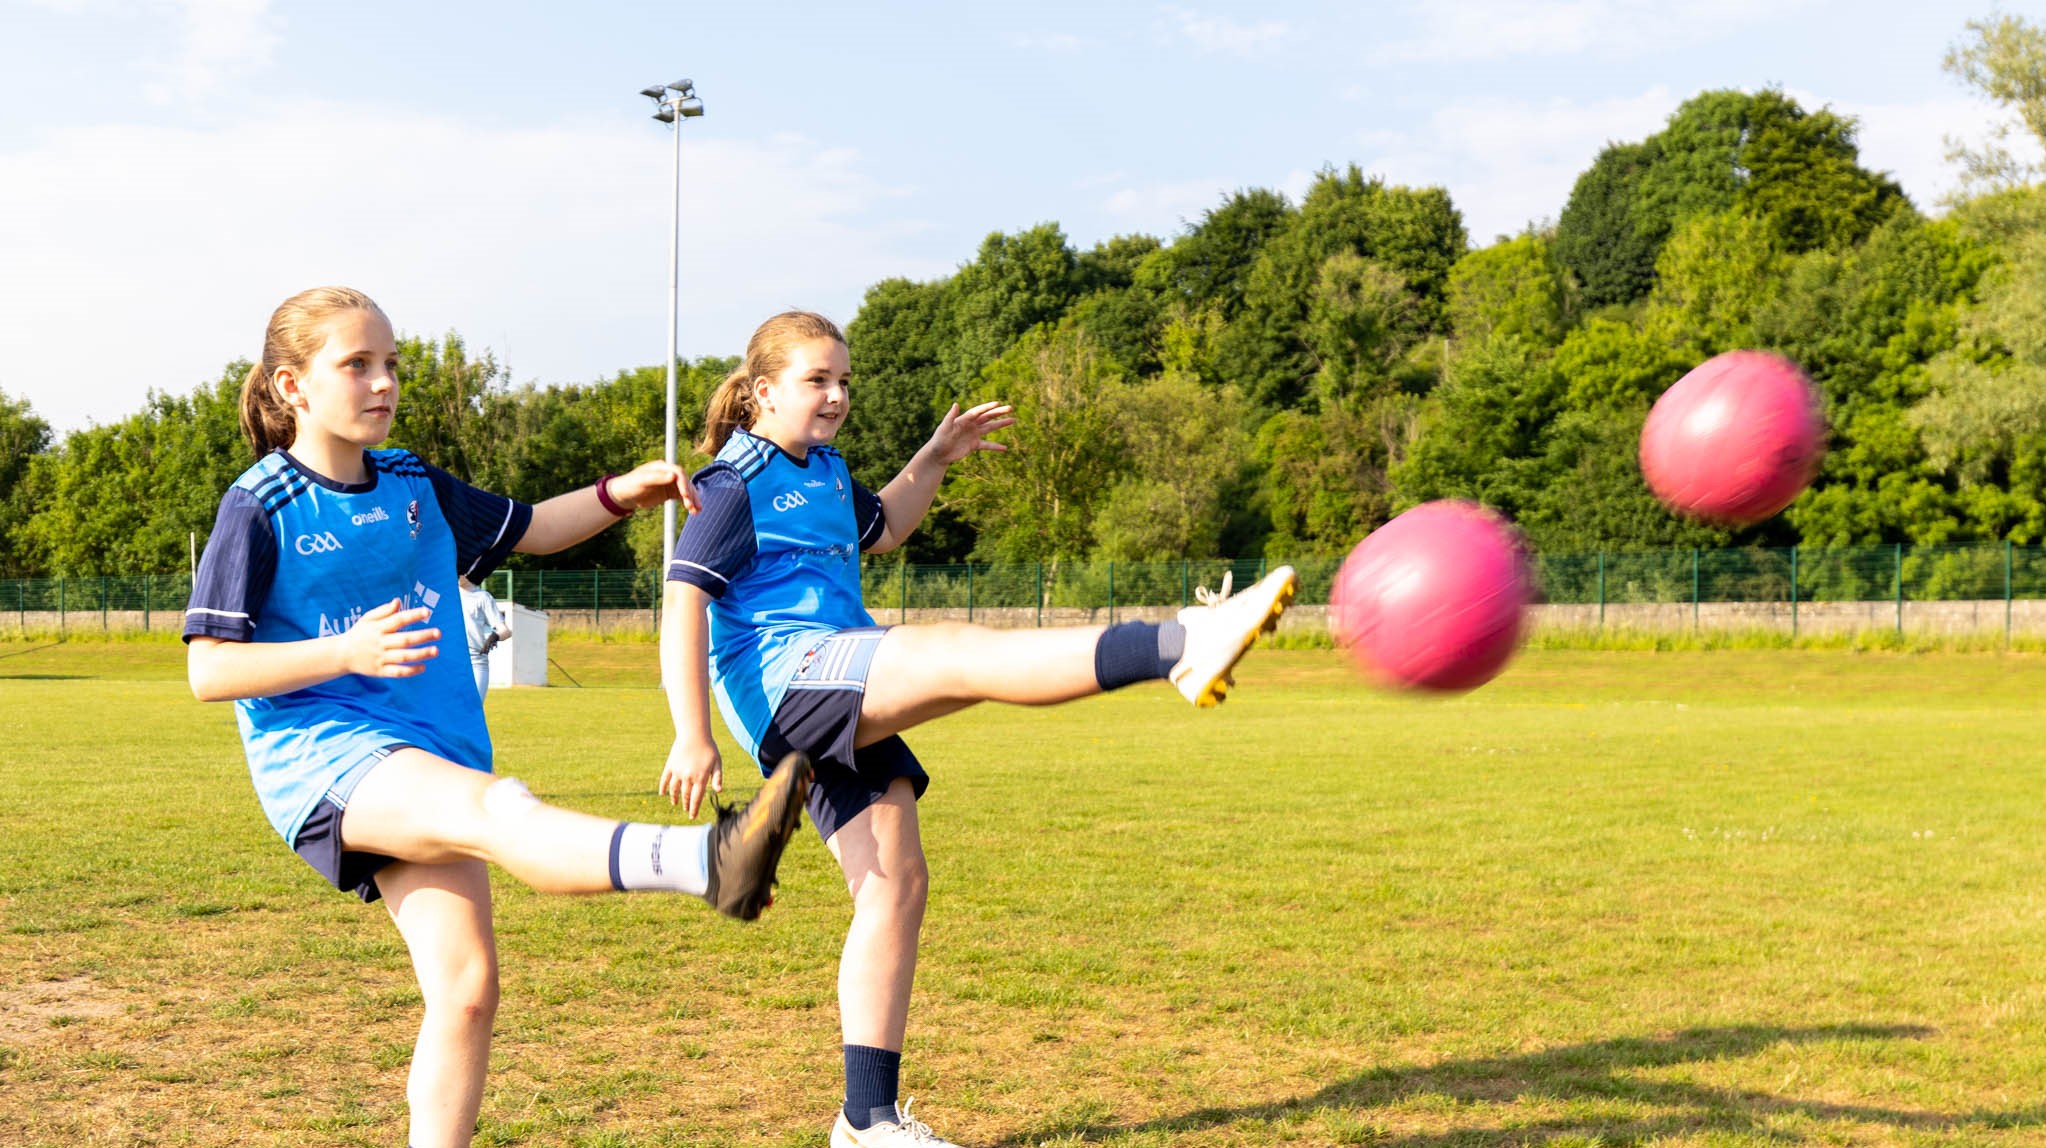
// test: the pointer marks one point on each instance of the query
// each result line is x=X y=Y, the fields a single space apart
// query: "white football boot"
x=904 y=1130
x=1221 y=628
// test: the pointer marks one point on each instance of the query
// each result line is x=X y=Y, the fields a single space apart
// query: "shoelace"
x=912 y=1127
x=1207 y=597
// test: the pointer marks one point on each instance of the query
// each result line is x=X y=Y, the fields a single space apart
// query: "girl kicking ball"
x=763 y=605
x=318 y=610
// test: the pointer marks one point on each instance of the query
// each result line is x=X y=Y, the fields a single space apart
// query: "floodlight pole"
x=673 y=103
x=674 y=314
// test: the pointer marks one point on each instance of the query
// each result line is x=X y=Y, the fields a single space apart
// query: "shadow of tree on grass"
x=1604 y=1071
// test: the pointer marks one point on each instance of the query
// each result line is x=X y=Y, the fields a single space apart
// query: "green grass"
x=1725 y=897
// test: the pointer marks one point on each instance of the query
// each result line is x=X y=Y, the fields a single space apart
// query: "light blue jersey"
x=294 y=555
x=777 y=547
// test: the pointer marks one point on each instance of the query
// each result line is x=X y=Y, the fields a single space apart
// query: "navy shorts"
x=820 y=716
x=319 y=839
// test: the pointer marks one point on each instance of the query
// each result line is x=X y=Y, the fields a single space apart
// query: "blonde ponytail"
x=733 y=405
x=297 y=331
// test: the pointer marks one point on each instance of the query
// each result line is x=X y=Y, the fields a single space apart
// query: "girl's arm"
x=377 y=646
x=566 y=519
x=694 y=766
x=908 y=496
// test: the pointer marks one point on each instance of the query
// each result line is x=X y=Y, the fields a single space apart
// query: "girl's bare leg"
x=443 y=912
x=925 y=672
x=881 y=853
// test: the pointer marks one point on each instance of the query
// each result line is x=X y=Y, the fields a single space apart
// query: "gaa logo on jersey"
x=321 y=543
x=790 y=501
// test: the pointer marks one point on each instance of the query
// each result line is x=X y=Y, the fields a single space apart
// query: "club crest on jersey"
x=321 y=543
x=789 y=501
x=412 y=516
x=840 y=484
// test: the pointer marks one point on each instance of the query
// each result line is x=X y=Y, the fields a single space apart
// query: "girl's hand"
x=652 y=483
x=694 y=769
x=379 y=646
x=959 y=435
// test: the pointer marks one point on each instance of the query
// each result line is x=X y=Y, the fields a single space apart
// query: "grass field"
x=1722 y=897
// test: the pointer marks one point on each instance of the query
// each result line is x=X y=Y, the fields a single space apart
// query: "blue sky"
x=170 y=169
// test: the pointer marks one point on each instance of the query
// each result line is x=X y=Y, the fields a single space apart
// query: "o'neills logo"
x=375 y=514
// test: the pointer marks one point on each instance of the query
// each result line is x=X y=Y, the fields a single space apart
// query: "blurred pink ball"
x=1434 y=599
x=1735 y=440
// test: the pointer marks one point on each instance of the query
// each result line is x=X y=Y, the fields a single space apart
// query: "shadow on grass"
x=31 y=650
x=42 y=677
x=1575 y=1076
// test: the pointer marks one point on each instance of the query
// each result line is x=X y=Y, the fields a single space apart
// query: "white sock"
x=675 y=858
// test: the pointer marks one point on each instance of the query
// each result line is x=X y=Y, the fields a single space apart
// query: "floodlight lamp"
x=653 y=93
x=683 y=86
x=666 y=115
x=691 y=107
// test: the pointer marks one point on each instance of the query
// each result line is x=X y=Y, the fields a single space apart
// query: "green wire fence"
x=1861 y=587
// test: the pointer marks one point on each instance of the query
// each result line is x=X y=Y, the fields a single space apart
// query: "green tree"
x=1603 y=235
x=2004 y=60
x=23 y=437
x=1015 y=283
x=1206 y=266
x=1037 y=501
x=1186 y=450
x=1515 y=289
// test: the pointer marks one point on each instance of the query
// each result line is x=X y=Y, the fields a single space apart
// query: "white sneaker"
x=905 y=1129
x=1221 y=628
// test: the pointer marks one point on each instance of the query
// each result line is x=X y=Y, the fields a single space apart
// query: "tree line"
x=1280 y=377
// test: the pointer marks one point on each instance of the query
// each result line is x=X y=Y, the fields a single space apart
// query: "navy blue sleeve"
x=486 y=526
x=868 y=515
x=234 y=573
x=717 y=542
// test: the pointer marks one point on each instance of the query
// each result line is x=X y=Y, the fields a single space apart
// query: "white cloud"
x=217 y=41
x=1218 y=34
x=142 y=257
x=1163 y=208
x=1502 y=29
x=1509 y=163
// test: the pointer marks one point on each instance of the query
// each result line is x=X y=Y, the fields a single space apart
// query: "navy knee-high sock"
x=1131 y=652
x=872 y=1077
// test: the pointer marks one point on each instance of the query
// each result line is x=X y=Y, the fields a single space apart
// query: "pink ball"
x=1434 y=599
x=1735 y=440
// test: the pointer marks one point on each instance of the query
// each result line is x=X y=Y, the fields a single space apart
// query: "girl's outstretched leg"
x=443 y=912
x=924 y=672
x=417 y=807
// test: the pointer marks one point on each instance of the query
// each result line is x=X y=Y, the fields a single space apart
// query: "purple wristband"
x=611 y=504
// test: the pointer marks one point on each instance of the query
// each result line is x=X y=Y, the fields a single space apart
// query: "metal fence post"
x=102 y=603
x=596 y=599
x=1040 y=595
x=541 y=591
x=145 y=603
x=1898 y=583
x=2006 y=591
x=1111 y=591
x=969 y=593
x=1601 y=590
x=1793 y=593
x=902 y=587
x=1185 y=582
x=1694 y=587
x=60 y=604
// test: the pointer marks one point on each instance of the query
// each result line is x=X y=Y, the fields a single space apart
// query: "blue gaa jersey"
x=295 y=555
x=777 y=547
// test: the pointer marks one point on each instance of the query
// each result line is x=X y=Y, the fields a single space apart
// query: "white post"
x=674 y=309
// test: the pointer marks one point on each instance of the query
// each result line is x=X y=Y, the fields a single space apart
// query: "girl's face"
x=349 y=390
x=804 y=405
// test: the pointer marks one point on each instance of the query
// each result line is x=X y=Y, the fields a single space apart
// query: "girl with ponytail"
x=763 y=606
x=318 y=610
